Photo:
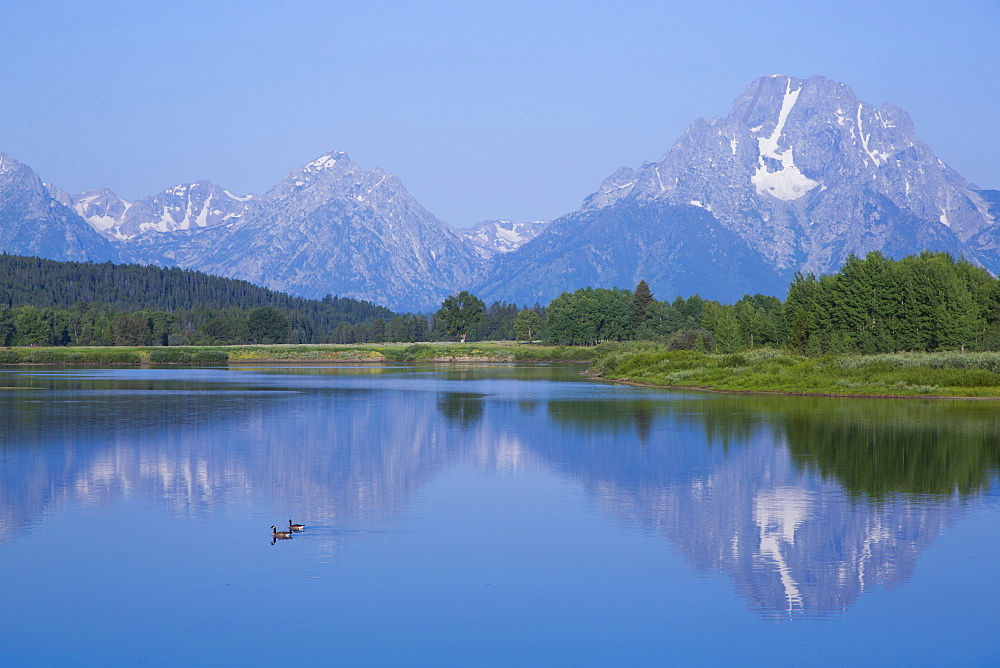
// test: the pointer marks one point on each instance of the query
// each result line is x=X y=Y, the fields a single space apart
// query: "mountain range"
x=799 y=175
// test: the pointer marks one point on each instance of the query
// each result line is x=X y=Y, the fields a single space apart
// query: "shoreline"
x=389 y=353
x=769 y=367
x=783 y=393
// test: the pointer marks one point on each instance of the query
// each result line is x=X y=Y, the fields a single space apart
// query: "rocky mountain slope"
x=330 y=227
x=796 y=177
x=33 y=223
x=800 y=171
x=335 y=228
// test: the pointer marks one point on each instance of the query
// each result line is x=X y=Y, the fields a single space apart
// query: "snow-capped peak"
x=327 y=161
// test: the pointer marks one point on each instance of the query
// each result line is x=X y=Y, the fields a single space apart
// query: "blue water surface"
x=487 y=515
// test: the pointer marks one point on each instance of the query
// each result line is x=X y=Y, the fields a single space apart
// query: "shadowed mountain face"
x=804 y=503
x=675 y=248
x=799 y=175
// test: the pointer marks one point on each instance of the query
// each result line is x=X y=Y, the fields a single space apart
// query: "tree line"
x=51 y=303
x=924 y=302
x=43 y=283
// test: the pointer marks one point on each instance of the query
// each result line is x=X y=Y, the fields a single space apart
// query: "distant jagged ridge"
x=329 y=227
x=798 y=176
x=186 y=206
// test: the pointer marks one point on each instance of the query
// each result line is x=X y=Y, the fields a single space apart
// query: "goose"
x=295 y=527
x=280 y=534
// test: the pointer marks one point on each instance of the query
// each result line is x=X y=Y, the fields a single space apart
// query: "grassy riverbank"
x=492 y=351
x=946 y=374
x=390 y=352
x=950 y=374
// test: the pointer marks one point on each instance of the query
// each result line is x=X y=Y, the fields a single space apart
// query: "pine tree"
x=641 y=299
x=527 y=325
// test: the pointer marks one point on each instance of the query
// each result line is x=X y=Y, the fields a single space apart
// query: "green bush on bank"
x=45 y=356
x=169 y=356
x=111 y=357
x=210 y=357
x=177 y=356
x=941 y=360
x=419 y=352
x=71 y=356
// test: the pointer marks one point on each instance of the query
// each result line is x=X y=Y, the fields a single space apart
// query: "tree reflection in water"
x=463 y=409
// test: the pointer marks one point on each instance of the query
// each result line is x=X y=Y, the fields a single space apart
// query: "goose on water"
x=295 y=527
x=280 y=534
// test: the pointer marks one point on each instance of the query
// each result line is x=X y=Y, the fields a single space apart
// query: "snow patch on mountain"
x=185 y=206
x=102 y=209
x=788 y=182
x=238 y=198
x=877 y=158
x=492 y=237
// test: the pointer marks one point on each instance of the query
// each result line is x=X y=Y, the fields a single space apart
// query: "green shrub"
x=417 y=351
x=692 y=339
x=211 y=357
x=10 y=357
x=168 y=356
x=178 y=340
x=878 y=366
x=44 y=356
x=111 y=357
x=733 y=361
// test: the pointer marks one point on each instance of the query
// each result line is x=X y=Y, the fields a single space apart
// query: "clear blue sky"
x=511 y=110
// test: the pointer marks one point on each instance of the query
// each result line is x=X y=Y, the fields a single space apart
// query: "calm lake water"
x=487 y=515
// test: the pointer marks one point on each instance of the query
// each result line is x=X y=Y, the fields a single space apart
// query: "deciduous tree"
x=463 y=316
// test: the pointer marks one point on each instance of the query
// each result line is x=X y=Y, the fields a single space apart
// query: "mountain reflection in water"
x=805 y=503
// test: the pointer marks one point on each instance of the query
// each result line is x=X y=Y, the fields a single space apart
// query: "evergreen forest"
x=926 y=302
x=45 y=302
